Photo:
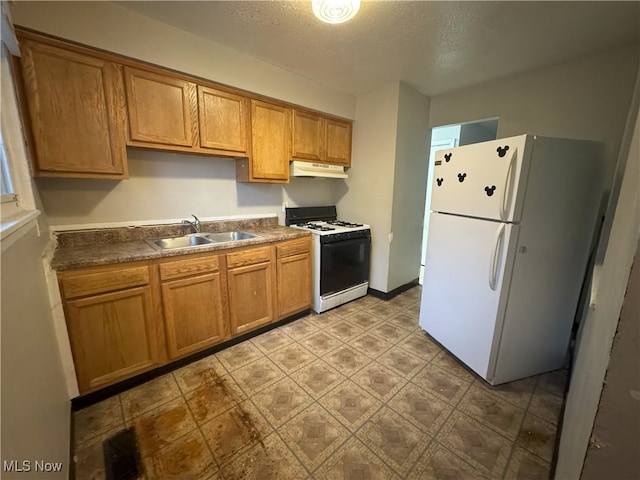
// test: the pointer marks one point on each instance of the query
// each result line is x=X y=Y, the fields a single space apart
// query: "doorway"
x=450 y=136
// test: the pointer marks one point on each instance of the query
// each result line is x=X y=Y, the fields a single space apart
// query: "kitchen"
x=176 y=185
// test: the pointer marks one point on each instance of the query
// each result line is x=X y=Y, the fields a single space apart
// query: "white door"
x=436 y=145
x=464 y=274
x=482 y=180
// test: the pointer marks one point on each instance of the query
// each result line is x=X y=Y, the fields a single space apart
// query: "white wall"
x=35 y=405
x=367 y=195
x=409 y=188
x=36 y=412
x=170 y=186
x=391 y=147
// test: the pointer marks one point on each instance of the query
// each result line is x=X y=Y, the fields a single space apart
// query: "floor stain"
x=210 y=375
x=531 y=437
x=229 y=428
x=246 y=420
x=213 y=398
x=159 y=430
x=189 y=458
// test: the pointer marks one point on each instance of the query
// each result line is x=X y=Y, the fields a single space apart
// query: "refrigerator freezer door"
x=468 y=263
x=482 y=180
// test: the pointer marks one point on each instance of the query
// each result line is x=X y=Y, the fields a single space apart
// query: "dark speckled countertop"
x=88 y=248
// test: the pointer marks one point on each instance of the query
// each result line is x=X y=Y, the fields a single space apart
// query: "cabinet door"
x=223 y=120
x=338 y=142
x=250 y=297
x=162 y=109
x=271 y=141
x=294 y=284
x=194 y=313
x=113 y=336
x=76 y=106
x=308 y=136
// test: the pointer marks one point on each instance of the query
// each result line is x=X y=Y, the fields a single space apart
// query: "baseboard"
x=393 y=293
x=72 y=442
x=89 y=399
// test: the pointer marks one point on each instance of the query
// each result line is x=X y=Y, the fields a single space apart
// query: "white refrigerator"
x=510 y=233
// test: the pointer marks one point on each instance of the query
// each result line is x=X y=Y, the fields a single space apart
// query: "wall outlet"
x=391 y=237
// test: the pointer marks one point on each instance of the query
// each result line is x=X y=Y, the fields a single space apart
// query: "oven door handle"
x=345 y=241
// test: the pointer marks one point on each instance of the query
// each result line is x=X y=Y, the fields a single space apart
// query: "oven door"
x=343 y=263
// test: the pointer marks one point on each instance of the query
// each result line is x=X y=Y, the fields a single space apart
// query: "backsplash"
x=75 y=238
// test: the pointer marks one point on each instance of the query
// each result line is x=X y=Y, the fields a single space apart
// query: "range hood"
x=308 y=169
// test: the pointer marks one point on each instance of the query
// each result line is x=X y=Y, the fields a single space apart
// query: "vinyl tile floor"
x=358 y=392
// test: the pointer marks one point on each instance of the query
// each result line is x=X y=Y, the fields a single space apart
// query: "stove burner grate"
x=341 y=223
x=315 y=226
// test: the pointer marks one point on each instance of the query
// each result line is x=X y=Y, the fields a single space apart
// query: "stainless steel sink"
x=198 y=239
x=228 y=236
x=184 y=241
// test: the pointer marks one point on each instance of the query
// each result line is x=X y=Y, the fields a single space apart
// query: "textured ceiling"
x=433 y=46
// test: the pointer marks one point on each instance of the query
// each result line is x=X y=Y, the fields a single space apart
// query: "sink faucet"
x=195 y=224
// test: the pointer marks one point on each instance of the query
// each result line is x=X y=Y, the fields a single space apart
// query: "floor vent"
x=121 y=456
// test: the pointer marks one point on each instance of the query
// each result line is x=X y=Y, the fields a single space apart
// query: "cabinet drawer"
x=293 y=247
x=249 y=257
x=182 y=268
x=102 y=282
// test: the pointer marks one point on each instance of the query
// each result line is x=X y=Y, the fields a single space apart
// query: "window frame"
x=5 y=175
x=18 y=212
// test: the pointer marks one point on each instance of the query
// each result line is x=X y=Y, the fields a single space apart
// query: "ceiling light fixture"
x=335 y=11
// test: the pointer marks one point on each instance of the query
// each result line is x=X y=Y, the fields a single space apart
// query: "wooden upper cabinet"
x=321 y=139
x=308 y=136
x=223 y=120
x=270 y=144
x=169 y=113
x=338 y=142
x=162 y=110
x=76 y=106
x=86 y=106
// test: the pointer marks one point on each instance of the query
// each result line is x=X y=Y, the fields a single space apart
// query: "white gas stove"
x=341 y=255
x=331 y=227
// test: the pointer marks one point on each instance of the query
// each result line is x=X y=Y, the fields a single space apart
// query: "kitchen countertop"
x=88 y=248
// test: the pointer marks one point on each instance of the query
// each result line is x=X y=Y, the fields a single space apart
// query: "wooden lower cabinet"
x=113 y=336
x=293 y=276
x=195 y=313
x=250 y=276
x=124 y=320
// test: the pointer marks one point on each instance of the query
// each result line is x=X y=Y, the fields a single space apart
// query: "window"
x=18 y=212
x=6 y=188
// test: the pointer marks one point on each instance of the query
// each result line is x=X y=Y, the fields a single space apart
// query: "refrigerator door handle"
x=508 y=186
x=496 y=257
